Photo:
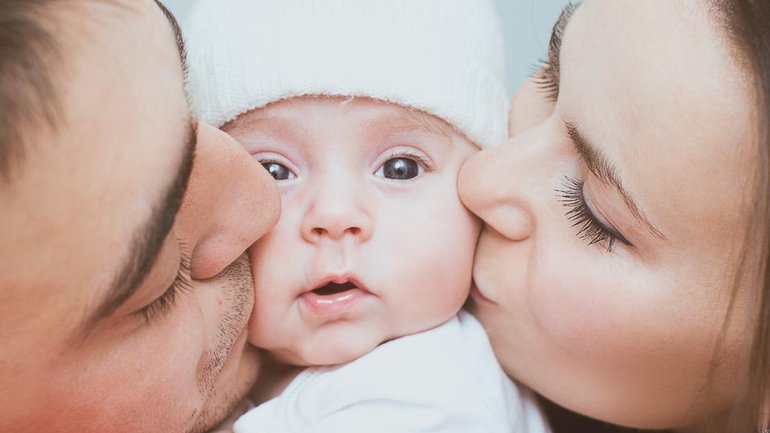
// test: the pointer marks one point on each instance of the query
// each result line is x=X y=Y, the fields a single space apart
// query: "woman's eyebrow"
x=605 y=171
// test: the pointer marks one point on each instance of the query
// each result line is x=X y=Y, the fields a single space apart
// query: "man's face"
x=115 y=315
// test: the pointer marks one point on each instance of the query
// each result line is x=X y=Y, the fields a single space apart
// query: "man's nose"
x=231 y=201
x=337 y=211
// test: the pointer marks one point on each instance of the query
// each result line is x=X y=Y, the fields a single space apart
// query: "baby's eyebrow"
x=412 y=121
x=266 y=126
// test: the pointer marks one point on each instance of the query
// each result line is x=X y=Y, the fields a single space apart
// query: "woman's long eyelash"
x=182 y=283
x=590 y=228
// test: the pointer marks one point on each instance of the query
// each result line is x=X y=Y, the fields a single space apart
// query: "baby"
x=363 y=111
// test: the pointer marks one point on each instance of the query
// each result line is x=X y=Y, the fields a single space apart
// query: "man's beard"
x=237 y=292
x=212 y=417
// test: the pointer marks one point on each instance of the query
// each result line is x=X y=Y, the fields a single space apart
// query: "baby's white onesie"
x=442 y=380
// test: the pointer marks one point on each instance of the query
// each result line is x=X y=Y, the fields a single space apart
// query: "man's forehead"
x=109 y=170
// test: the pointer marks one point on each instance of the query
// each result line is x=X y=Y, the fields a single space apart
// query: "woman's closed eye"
x=590 y=227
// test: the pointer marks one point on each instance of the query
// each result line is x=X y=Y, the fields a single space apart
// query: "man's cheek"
x=121 y=395
x=166 y=396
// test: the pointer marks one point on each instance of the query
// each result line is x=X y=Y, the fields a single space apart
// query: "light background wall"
x=526 y=24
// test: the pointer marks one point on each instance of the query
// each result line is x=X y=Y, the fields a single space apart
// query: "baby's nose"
x=335 y=217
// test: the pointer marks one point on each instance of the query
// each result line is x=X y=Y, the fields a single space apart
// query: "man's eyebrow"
x=177 y=34
x=605 y=171
x=148 y=239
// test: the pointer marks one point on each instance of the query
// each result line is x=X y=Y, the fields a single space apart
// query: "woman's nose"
x=496 y=185
x=231 y=201
x=337 y=211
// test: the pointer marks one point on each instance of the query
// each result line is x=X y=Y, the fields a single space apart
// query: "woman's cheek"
x=603 y=311
x=585 y=302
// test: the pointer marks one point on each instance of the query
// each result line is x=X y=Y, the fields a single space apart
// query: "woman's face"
x=615 y=220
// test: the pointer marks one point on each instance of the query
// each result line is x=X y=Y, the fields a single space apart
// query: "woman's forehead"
x=671 y=109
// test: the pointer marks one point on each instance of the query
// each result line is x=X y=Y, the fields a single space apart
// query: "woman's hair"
x=747 y=24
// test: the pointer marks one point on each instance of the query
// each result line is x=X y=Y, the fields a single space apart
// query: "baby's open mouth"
x=334 y=288
x=334 y=298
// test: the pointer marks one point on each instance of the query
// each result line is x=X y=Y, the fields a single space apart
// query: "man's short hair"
x=32 y=69
x=30 y=57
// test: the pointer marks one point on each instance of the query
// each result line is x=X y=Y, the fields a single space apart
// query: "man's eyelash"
x=182 y=283
x=590 y=228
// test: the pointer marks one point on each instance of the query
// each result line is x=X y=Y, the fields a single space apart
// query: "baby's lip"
x=333 y=297
x=334 y=285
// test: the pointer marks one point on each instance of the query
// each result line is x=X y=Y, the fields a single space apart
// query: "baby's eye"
x=278 y=170
x=400 y=169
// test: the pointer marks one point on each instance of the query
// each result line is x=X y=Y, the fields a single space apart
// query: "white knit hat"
x=444 y=57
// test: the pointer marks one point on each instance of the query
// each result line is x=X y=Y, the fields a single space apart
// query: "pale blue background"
x=526 y=23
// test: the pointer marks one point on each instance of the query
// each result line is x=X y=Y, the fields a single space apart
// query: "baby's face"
x=373 y=242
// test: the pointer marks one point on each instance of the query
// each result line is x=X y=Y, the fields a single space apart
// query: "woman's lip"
x=325 y=306
x=477 y=295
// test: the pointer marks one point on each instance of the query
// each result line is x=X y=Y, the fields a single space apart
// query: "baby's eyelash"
x=590 y=228
x=422 y=160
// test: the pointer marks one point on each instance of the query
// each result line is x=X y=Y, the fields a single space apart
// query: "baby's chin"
x=322 y=353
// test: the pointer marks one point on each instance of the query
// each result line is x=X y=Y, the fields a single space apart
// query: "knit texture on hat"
x=444 y=57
